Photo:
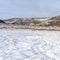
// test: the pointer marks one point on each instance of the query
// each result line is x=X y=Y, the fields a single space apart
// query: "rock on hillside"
x=1 y=21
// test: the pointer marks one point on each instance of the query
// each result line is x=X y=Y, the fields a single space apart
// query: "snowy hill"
x=52 y=23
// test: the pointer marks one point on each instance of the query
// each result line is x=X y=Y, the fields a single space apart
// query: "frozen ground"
x=29 y=45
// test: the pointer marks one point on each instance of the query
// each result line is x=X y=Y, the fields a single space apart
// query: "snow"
x=29 y=45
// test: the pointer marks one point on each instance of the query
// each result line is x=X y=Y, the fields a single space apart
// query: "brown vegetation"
x=32 y=23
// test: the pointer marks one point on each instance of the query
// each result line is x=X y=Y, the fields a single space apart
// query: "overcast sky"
x=29 y=8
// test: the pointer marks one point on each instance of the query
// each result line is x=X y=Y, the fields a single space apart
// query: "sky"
x=29 y=8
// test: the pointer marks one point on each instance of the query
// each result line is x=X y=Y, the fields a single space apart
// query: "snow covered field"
x=29 y=45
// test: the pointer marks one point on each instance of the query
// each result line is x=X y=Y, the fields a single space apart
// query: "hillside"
x=55 y=18
x=34 y=23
